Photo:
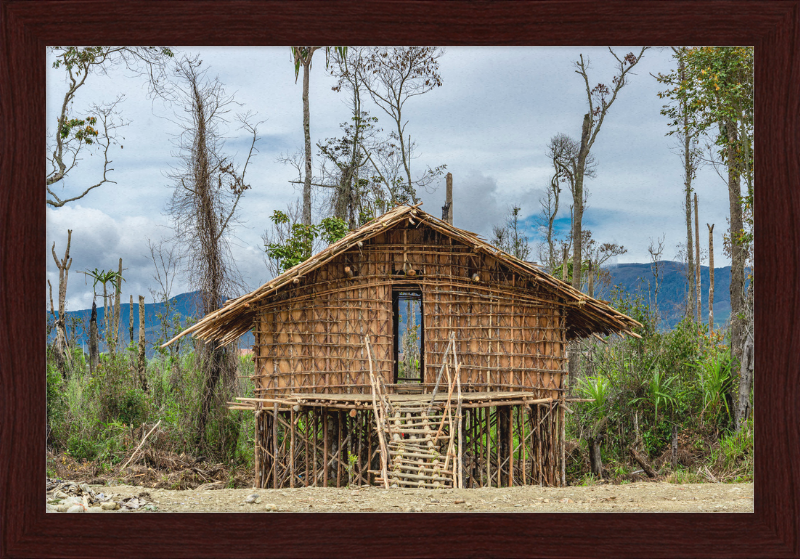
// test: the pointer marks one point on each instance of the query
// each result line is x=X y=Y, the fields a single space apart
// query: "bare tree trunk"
x=142 y=362
x=742 y=408
x=117 y=294
x=130 y=327
x=449 y=198
x=93 y=341
x=688 y=168
x=106 y=325
x=63 y=266
x=737 y=248
x=698 y=267
x=577 y=199
x=674 y=446
x=591 y=280
x=595 y=439
x=307 y=138
x=710 y=277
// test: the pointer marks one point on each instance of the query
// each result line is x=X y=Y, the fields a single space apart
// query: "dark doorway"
x=409 y=359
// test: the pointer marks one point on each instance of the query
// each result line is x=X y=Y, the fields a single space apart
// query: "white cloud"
x=489 y=123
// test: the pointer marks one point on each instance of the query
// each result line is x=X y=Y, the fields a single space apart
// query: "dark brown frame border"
x=773 y=27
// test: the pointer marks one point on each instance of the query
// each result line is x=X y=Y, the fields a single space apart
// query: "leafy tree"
x=301 y=57
x=96 y=128
x=115 y=279
x=717 y=91
x=295 y=241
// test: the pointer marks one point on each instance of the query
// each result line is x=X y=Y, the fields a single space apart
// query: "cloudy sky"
x=489 y=123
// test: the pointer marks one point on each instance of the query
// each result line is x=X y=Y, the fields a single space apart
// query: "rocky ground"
x=632 y=497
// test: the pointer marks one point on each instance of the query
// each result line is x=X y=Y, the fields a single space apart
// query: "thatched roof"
x=585 y=316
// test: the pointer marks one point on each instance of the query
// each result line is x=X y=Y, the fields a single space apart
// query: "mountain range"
x=636 y=279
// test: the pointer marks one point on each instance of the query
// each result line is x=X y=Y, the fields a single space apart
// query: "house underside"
x=506 y=439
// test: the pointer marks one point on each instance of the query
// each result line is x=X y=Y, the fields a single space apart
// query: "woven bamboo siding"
x=510 y=332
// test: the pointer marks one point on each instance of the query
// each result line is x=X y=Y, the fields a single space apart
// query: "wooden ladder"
x=416 y=449
x=418 y=457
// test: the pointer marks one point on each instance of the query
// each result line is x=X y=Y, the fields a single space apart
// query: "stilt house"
x=480 y=403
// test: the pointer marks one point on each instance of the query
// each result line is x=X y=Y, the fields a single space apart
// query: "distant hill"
x=633 y=278
x=638 y=278
x=187 y=305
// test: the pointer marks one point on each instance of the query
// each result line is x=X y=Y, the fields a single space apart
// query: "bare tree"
x=95 y=128
x=656 y=250
x=166 y=263
x=600 y=99
x=710 y=277
x=687 y=132
x=63 y=266
x=597 y=255
x=563 y=151
x=208 y=188
x=742 y=408
x=393 y=75
x=510 y=238
x=117 y=295
x=698 y=267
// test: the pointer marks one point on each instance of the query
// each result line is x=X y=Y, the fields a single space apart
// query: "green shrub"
x=81 y=448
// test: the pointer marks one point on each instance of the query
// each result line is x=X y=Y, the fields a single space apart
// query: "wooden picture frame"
x=772 y=27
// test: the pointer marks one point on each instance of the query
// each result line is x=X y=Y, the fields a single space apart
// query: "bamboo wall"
x=510 y=332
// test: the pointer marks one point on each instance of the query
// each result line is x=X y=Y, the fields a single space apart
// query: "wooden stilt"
x=305 y=445
x=521 y=418
x=510 y=425
x=325 y=447
x=315 y=424
x=563 y=443
x=488 y=447
x=291 y=447
x=275 y=445
x=339 y=450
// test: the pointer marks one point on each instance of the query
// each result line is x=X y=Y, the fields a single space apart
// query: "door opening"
x=409 y=358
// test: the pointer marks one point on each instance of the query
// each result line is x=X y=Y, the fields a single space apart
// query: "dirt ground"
x=633 y=497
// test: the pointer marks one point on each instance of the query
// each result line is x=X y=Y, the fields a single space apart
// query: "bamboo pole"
x=339 y=451
x=291 y=447
x=275 y=445
x=563 y=442
x=325 y=437
x=378 y=421
x=459 y=413
x=257 y=445
x=305 y=445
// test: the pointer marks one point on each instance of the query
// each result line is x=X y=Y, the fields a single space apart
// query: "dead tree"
x=117 y=294
x=697 y=262
x=94 y=356
x=742 y=408
x=141 y=363
x=208 y=187
x=63 y=266
x=710 y=277
x=600 y=99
